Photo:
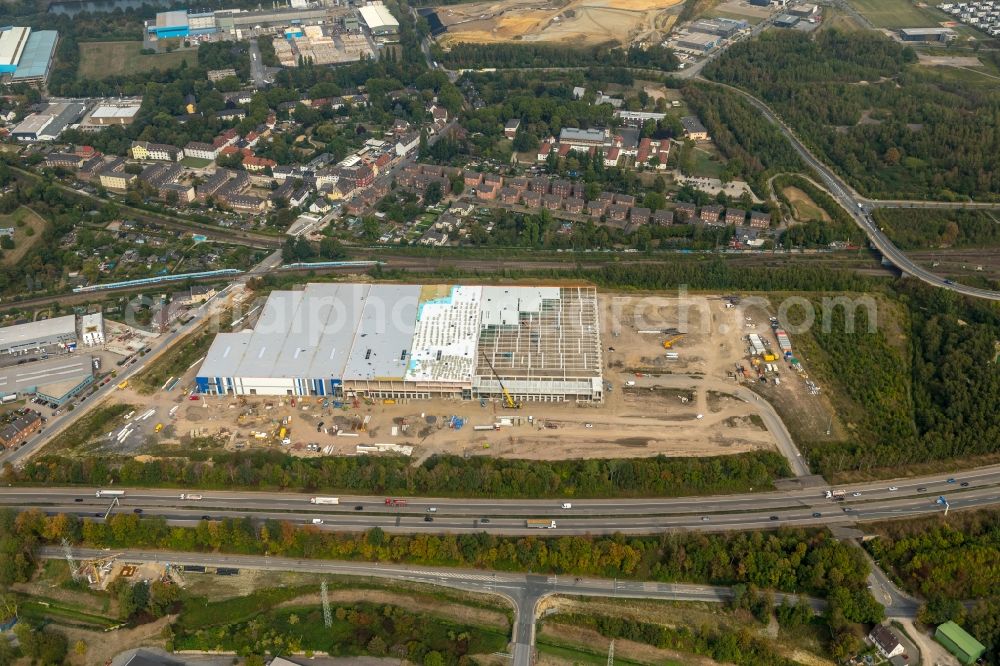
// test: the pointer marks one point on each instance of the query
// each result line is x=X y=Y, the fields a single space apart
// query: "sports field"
x=99 y=60
x=899 y=13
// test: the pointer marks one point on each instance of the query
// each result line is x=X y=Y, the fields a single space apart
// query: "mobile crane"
x=668 y=344
x=508 y=399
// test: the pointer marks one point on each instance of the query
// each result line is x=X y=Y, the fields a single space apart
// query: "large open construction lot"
x=577 y=22
x=675 y=400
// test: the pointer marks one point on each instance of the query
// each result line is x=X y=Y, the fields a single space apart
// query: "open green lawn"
x=706 y=164
x=899 y=14
x=195 y=162
x=99 y=60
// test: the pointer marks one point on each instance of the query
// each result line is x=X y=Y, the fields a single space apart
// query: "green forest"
x=477 y=476
x=916 y=229
x=512 y=55
x=933 y=399
x=893 y=130
x=947 y=561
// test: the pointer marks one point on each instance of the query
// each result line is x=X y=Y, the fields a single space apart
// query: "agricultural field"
x=899 y=14
x=99 y=60
x=28 y=227
x=579 y=22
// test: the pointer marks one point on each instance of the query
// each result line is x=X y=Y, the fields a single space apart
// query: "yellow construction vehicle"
x=668 y=344
x=508 y=399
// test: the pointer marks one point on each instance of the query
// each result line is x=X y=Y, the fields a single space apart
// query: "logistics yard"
x=577 y=22
x=674 y=380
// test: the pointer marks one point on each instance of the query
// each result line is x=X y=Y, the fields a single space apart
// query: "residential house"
x=202 y=151
x=596 y=208
x=23 y=426
x=612 y=157
x=510 y=127
x=693 y=129
x=509 y=195
x=685 y=212
x=552 y=201
x=712 y=214
x=562 y=188
x=663 y=217
x=439 y=114
x=540 y=185
x=625 y=199
x=639 y=216
x=472 y=178
x=231 y=114
x=143 y=150
x=885 y=641
x=494 y=179
x=254 y=163
x=617 y=213
x=487 y=192
x=407 y=143
x=574 y=205
x=298 y=197
x=759 y=220
x=532 y=198
x=114 y=177
x=544 y=151
x=735 y=216
x=63 y=161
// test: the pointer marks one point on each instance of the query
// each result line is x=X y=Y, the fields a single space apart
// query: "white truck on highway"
x=110 y=493
x=190 y=496
x=831 y=494
x=324 y=500
x=540 y=524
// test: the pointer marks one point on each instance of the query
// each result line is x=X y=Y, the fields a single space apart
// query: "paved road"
x=799 y=507
x=859 y=208
x=58 y=424
x=904 y=203
x=523 y=591
x=767 y=412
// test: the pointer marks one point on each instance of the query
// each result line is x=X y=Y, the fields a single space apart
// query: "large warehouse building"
x=413 y=341
x=26 y=55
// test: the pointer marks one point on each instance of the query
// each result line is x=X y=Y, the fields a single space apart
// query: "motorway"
x=859 y=208
x=796 y=508
x=523 y=591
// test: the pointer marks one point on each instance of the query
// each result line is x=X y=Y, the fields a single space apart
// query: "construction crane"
x=668 y=344
x=508 y=399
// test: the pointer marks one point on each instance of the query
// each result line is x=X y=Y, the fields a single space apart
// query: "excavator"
x=668 y=344
x=508 y=399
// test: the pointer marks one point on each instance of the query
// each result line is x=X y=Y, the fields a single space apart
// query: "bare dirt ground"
x=949 y=61
x=578 y=22
x=656 y=404
x=103 y=646
x=803 y=207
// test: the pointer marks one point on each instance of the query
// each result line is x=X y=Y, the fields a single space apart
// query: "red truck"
x=391 y=501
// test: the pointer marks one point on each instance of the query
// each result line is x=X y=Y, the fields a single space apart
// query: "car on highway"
x=774 y=518
x=893 y=489
x=848 y=509
x=136 y=510
x=588 y=425
x=964 y=484
x=817 y=514
x=855 y=494
x=428 y=518
x=78 y=499
x=206 y=518
x=432 y=509
x=358 y=507
x=951 y=481
x=704 y=519
x=921 y=489
x=484 y=521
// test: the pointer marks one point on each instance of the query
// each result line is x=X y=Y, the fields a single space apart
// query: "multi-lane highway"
x=802 y=507
x=859 y=208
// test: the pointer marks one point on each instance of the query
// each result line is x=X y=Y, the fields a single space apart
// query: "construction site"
x=674 y=373
x=577 y=22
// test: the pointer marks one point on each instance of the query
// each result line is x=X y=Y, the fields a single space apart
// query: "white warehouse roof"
x=377 y=16
x=46 y=330
x=12 y=43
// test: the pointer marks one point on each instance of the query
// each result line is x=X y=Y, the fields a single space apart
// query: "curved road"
x=858 y=207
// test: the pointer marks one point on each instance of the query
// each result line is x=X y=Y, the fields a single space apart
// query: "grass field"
x=803 y=207
x=99 y=60
x=898 y=14
x=195 y=162
x=21 y=220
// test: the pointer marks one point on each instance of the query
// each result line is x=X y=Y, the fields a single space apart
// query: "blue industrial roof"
x=37 y=55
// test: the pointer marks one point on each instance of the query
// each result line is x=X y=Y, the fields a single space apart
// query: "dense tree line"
x=755 y=148
x=723 y=644
x=916 y=229
x=935 y=401
x=439 y=475
x=510 y=55
x=946 y=563
x=891 y=129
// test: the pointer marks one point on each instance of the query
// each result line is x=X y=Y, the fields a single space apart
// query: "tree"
x=433 y=193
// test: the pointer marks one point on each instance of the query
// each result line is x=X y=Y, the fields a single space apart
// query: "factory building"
x=36 y=335
x=417 y=342
x=26 y=55
x=181 y=24
x=379 y=20
x=927 y=34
